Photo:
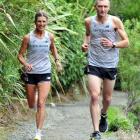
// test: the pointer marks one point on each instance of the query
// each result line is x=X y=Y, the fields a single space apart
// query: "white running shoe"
x=37 y=136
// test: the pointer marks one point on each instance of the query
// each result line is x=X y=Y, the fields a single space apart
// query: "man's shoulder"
x=115 y=18
x=88 y=19
x=117 y=22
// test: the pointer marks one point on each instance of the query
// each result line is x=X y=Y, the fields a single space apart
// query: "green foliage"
x=126 y=9
x=135 y=110
x=18 y=19
x=10 y=39
x=117 y=120
x=133 y=118
x=129 y=65
x=86 y=8
x=73 y=57
x=66 y=21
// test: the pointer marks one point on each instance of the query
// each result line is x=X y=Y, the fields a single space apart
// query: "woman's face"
x=41 y=23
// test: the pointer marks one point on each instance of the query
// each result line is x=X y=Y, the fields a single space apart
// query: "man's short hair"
x=96 y=1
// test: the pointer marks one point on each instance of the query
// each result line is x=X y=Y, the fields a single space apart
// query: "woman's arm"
x=22 y=51
x=55 y=53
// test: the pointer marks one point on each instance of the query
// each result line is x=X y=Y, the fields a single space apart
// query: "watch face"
x=114 y=45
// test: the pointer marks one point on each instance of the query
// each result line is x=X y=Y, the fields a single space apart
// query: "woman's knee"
x=31 y=106
x=31 y=103
x=41 y=104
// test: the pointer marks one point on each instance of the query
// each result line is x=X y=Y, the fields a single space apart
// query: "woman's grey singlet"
x=38 y=53
x=98 y=55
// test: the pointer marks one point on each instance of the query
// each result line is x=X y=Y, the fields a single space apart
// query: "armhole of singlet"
x=29 y=38
x=48 y=35
x=112 y=22
x=115 y=28
x=92 y=18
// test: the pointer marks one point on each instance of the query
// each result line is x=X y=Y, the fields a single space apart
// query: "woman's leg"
x=30 y=91
x=43 y=90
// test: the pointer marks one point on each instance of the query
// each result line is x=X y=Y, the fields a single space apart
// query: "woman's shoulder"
x=26 y=37
x=51 y=35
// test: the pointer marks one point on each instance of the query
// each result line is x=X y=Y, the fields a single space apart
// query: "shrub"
x=118 y=120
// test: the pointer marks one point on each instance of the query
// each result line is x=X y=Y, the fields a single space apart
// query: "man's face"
x=102 y=8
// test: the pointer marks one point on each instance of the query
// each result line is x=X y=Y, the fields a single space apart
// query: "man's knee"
x=107 y=99
x=94 y=98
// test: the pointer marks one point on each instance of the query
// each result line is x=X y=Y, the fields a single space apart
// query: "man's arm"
x=124 y=42
x=87 y=35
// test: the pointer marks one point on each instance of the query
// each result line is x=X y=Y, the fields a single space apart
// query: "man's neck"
x=102 y=19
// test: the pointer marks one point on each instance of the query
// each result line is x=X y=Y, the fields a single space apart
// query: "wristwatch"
x=57 y=59
x=114 y=45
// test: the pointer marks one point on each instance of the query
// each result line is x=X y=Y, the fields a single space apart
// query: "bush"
x=133 y=118
x=129 y=66
x=118 y=120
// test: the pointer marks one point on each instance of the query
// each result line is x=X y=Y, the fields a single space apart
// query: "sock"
x=38 y=131
x=104 y=114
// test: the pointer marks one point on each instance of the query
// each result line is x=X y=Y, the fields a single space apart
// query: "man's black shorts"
x=36 y=78
x=103 y=73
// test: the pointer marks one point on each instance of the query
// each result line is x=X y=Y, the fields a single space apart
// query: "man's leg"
x=108 y=86
x=94 y=86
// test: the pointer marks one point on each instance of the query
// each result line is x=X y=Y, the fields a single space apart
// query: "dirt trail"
x=65 y=122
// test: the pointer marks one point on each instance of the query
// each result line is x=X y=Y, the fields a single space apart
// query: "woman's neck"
x=39 y=33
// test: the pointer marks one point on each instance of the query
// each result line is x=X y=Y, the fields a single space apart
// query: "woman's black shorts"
x=35 y=78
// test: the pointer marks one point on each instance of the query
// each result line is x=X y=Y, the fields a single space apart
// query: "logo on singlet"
x=34 y=41
x=107 y=26
x=46 y=41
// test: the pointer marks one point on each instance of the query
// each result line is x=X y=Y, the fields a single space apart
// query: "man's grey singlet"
x=98 y=55
x=38 y=53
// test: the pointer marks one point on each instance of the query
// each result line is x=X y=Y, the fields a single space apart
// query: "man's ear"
x=94 y=7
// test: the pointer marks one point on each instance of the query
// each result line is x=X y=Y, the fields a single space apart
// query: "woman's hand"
x=28 y=67
x=59 y=66
x=85 y=47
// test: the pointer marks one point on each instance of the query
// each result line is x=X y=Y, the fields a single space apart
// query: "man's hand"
x=85 y=47
x=106 y=42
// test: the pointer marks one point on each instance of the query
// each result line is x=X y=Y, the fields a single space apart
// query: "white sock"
x=38 y=131
x=35 y=108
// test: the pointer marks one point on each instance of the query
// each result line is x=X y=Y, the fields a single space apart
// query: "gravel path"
x=64 y=122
